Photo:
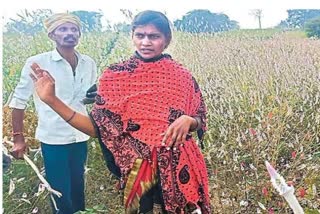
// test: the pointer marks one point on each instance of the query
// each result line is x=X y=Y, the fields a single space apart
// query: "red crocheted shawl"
x=136 y=102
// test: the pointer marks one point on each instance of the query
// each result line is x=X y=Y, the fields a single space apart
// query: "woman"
x=144 y=112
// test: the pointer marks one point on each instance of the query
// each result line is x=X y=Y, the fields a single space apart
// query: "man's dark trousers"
x=64 y=166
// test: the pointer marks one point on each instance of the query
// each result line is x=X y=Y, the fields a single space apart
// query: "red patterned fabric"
x=136 y=103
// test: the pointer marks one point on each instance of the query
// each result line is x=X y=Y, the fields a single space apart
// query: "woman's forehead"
x=147 y=29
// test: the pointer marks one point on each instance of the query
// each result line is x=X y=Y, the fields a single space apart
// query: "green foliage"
x=99 y=46
x=311 y=211
x=95 y=209
x=20 y=188
x=15 y=53
x=297 y=18
x=29 y=22
x=91 y=20
x=312 y=27
x=122 y=27
x=203 y=21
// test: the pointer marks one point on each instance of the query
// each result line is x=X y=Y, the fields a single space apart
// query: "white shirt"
x=52 y=129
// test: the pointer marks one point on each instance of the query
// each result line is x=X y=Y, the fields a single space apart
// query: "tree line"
x=195 y=21
x=305 y=19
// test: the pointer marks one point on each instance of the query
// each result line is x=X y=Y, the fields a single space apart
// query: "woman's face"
x=149 y=41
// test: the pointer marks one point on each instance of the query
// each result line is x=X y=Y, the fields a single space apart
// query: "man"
x=63 y=147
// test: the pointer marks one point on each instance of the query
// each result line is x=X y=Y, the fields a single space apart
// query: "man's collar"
x=57 y=57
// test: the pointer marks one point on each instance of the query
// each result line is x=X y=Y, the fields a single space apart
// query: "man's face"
x=149 y=41
x=66 y=35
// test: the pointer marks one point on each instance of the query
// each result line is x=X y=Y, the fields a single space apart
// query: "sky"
x=239 y=10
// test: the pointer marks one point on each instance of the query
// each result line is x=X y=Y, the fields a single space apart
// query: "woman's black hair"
x=158 y=19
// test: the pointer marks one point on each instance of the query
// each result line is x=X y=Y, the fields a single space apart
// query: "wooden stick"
x=35 y=168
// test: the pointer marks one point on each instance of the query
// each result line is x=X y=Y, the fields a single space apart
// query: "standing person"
x=145 y=109
x=64 y=148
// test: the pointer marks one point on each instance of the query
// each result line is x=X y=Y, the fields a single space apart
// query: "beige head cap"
x=55 y=20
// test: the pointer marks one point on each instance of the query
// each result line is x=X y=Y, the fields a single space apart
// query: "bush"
x=312 y=27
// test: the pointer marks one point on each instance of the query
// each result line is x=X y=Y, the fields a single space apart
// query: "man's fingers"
x=34 y=79
x=20 y=155
x=36 y=70
x=35 y=67
x=17 y=154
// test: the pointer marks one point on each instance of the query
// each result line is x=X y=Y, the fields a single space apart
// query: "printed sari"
x=136 y=102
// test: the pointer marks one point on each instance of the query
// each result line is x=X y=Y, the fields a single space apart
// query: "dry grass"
x=263 y=97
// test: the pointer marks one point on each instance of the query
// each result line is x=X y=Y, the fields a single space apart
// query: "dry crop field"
x=262 y=90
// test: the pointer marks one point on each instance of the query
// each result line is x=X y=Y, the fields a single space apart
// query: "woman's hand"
x=177 y=132
x=43 y=83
